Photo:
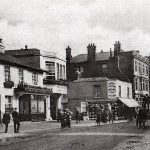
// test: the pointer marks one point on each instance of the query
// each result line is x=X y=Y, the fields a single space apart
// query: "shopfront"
x=33 y=102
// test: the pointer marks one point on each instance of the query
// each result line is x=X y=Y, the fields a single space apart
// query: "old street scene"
x=74 y=75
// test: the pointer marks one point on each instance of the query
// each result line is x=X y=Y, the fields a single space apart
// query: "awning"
x=130 y=102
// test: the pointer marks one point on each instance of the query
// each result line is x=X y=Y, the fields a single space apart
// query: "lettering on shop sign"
x=111 y=89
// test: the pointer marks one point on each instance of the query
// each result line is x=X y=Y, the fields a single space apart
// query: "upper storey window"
x=7 y=73
x=50 y=67
x=21 y=75
x=35 y=78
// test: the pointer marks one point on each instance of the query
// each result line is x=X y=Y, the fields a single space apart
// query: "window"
x=128 y=92
x=50 y=67
x=35 y=78
x=146 y=70
x=140 y=80
x=64 y=71
x=140 y=69
x=97 y=91
x=7 y=73
x=135 y=65
x=60 y=71
x=79 y=68
x=57 y=71
x=21 y=75
x=119 y=91
x=136 y=83
x=146 y=86
x=143 y=84
x=8 y=103
x=143 y=69
x=104 y=68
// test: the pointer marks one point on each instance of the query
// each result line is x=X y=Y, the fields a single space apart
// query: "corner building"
x=54 y=78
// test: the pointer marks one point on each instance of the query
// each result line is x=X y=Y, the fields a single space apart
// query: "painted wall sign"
x=111 y=90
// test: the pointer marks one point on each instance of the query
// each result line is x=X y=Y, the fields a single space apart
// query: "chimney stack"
x=2 y=47
x=68 y=54
x=91 y=50
x=117 y=48
x=26 y=47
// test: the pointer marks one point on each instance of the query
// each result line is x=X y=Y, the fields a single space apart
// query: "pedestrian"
x=16 y=119
x=6 y=120
x=77 y=116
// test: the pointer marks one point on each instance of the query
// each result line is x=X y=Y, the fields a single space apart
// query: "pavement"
x=33 y=127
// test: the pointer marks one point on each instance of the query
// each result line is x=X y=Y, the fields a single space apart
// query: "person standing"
x=6 y=120
x=16 y=119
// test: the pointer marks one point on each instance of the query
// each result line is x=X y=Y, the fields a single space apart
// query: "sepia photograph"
x=74 y=75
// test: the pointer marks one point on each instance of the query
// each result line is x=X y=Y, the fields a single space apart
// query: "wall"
x=14 y=71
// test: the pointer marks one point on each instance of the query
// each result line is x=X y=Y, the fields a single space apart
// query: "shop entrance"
x=32 y=107
x=53 y=105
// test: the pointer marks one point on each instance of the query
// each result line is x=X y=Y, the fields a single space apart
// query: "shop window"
x=7 y=73
x=97 y=91
x=50 y=67
x=8 y=103
x=21 y=76
x=35 y=78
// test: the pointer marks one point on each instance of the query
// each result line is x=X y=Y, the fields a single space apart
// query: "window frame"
x=7 y=73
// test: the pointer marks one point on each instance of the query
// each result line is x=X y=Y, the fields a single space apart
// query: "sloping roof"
x=7 y=59
x=83 y=57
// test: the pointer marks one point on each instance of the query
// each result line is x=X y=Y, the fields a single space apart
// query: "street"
x=86 y=135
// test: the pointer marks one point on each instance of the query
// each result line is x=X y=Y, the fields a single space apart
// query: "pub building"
x=21 y=87
x=54 y=78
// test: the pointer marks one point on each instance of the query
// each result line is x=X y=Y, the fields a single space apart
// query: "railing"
x=8 y=84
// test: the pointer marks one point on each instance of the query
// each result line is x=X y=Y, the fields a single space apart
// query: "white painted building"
x=54 y=78
x=21 y=86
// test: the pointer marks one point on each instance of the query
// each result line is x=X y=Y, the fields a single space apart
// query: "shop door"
x=53 y=106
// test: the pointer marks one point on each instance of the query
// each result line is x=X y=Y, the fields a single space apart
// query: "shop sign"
x=83 y=106
x=111 y=90
x=33 y=89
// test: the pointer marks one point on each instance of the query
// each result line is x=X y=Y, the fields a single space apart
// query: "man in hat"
x=6 y=120
x=16 y=119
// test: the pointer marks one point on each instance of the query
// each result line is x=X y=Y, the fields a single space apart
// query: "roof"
x=23 y=52
x=83 y=57
x=10 y=60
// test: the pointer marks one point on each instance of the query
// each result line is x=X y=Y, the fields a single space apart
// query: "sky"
x=52 y=25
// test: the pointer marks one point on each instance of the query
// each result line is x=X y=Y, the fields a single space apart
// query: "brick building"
x=128 y=66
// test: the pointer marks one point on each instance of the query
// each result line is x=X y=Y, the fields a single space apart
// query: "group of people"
x=16 y=120
x=64 y=117
x=141 y=117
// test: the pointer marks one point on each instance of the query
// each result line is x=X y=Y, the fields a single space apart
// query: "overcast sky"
x=52 y=25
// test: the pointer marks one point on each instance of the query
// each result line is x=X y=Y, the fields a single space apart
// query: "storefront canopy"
x=129 y=102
